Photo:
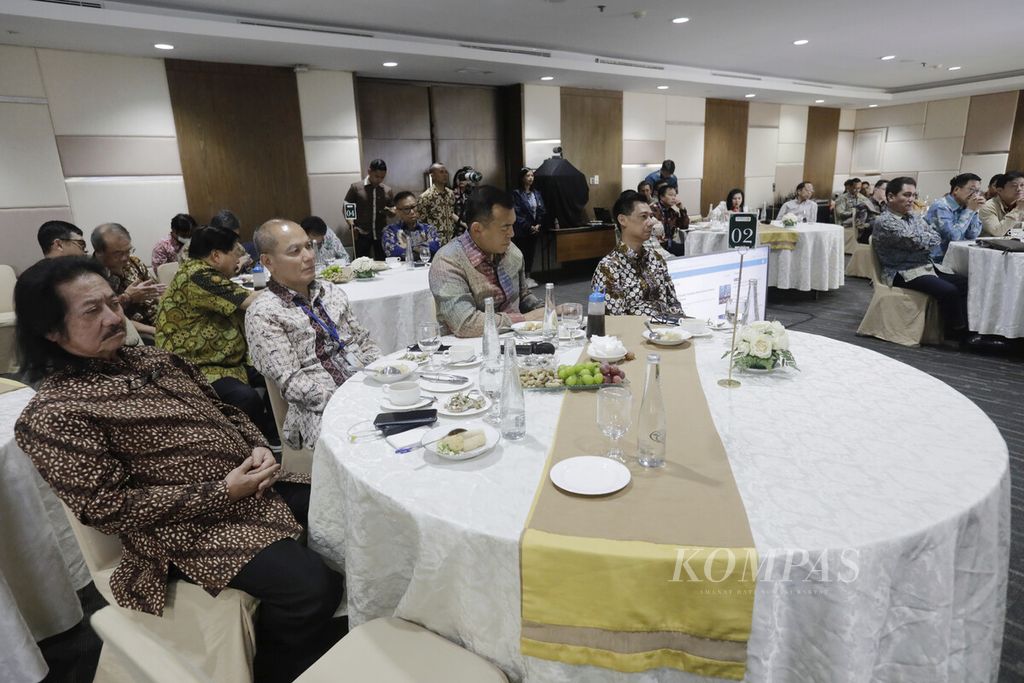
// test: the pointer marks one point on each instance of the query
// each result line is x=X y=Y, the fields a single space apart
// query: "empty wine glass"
x=571 y=319
x=490 y=385
x=614 y=416
x=429 y=339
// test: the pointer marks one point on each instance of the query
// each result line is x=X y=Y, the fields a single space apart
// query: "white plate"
x=696 y=328
x=719 y=325
x=491 y=435
x=607 y=359
x=683 y=336
x=407 y=366
x=443 y=410
x=590 y=475
x=472 y=362
x=523 y=327
x=392 y=408
x=576 y=334
x=444 y=387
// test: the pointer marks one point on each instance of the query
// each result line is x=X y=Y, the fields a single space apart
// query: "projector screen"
x=706 y=283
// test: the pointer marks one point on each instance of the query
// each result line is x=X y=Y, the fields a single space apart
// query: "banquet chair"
x=299 y=460
x=165 y=272
x=860 y=264
x=383 y=651
x=899 y=315
x=215 y=635
x=850 y=240
x=8 y=357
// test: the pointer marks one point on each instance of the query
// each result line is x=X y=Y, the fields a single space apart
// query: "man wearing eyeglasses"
x=60 y=238
x=409 y=232
x=137 y=290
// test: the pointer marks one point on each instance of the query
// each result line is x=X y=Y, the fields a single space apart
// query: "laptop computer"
x=1001 y=244
x=602 y=214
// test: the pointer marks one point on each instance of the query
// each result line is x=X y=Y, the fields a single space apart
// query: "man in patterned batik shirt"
x=634 y=277
x=301 y=331
x=138 y=291
x=437 y=204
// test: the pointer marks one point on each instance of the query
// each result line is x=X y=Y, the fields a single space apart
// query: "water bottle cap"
x=596 y=296
x=258 y=267
x=653 y=358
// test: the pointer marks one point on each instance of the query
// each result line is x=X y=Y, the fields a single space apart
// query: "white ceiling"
x=750 y=41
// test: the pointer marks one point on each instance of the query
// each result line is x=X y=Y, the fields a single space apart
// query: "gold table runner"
x=778 y=239
x=659 y=574
x=10 y=385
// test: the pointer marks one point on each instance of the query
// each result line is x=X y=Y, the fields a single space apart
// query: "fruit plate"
x=577 y=387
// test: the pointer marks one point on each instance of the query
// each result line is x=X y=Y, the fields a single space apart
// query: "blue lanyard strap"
x=327 y=326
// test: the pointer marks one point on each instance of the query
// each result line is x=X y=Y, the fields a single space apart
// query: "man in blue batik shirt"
x=955 y=216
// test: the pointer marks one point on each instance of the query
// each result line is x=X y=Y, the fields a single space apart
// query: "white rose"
x=362 y=263
x=777 y=328
x=749 y=333
x=761 y=347
x=743 y=348
x=781 y=341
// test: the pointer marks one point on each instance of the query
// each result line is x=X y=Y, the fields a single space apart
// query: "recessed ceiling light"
x=749 y=95
x=819 y=101
x=954 y=68
x=390 y=64
x=164 y=46
x=887 y=58
x=680 y=20
x=872 y=105
x=662 y=87
x=802 y=41
x=547 y=78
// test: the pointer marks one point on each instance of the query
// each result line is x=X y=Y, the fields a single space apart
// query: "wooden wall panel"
x=725 y=150
x=240 y=140
x=392 y=110
x=592 y=139
x=820 y=150
x=467 y=124
x=1015 y=162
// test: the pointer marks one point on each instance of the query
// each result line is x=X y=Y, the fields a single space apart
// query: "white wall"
x=542 y=122
x=776 y=139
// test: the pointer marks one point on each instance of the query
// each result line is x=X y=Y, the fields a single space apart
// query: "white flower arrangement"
x=363 y=267
x=762 y=345
x=790 y=220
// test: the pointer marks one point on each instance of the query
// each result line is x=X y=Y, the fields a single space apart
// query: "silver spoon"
x=654 y=334
x=457 y=430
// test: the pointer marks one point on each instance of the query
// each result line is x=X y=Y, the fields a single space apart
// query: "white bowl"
x=407 y=367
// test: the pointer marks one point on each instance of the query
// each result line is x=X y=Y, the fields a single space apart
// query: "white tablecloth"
x=995 y=280
x=817 y=262
x=40 y=564
x=832 y=462
x=392 y=304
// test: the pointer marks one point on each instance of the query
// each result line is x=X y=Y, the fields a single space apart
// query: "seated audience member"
x=646 y=190
x=875 y=205
x=247 y=253
x=850 y=205
x=202 y=319
x=865 y=188
x=171 y=248
x=409 y=232
x=326 y=244
x=993 y=183
x=530 y=213
x=672 y=215
x=906 y=245
x=302 y=333
x=665 y=174
x=1005 y=211
x=437 y=204
x=734 y=200
x=955 y=216
x=634 y=277
x=138 y=446
x=803 y=206
x=481 y=263
x=136 y=288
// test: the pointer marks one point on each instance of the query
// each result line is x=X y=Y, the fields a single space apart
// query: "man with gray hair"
x=803 y=206
x=135 y=287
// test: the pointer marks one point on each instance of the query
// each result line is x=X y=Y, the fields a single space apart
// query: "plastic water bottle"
x=513 y=403
x=491 y=345
x=595 y=314
x=550 y=313
x=259 y=276
x=650 y=440
x=751 y=308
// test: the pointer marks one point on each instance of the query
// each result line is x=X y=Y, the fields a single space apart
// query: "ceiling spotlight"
x=819 y=101
x=802 y=41
x=680 y=20
x=662 y=87
x=888 y=58
x=164 y=46
x=547 y=78
x=954 y=68
x=749 y=95
x=872 y=106
x=389 y=64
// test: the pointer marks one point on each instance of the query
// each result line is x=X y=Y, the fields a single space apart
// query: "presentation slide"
x=705 y=284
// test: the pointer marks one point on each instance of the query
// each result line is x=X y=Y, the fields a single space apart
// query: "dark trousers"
x=246 y=398
x=527 y=244
x=949 y=290
x=366 y=245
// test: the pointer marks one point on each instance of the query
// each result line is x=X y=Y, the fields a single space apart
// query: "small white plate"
x=606 y=359
x=719 y=325
x=696 y=328
x=391 y=407
x=408 y=367
x=442 y=408
x=526 y=328
x=491 y=435
x=472 y=362
x=683 y=336
x=590 y=475
x=444 y=387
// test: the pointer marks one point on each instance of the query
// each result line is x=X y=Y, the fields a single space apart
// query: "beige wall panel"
x=643 y=116
x=18 y=229
x=764 y=115
x=144 y=206
x=327 y=103
x=535 y=153
x=847 y=119
x=762 y=152
x=19 y=72
x=685 y=146
x=791 y=153
x=984 y=165
x=933 y=184
x=87 y=94
x=787 y=177
x=844 y=152
x=904 y=133
x=837 y=183
x=332 y=156
x=923 y=155
x=758 y=191
x=883 y=117
x=689 y=194
x=632 y=175
x=643 y=152
x=407 y=160
x=542 y=112
x=990 y=123
x=793 y=124
x=327 y=196
x=947 y=118
x=679 y=109
x=867 y=151
x=107 y=156
x=30 y=172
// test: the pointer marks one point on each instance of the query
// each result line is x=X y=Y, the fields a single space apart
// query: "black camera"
x=472 y=175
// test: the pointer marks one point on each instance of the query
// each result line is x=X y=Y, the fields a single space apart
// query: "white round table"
x=995 y=280
x=40 y=563
x=857 y=458
x=392 y=305
x=816 y=262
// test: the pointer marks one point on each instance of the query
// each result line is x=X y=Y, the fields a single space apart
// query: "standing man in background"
x=666 y=174
x=373 y=200
x=437 y=204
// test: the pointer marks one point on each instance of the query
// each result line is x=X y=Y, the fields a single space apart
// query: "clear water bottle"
x=513 y=403
x=550 y=313
x=259 y=276
x=410 y=251
x=650 y=440
x=752 y=306
x=492 y=347
x=595 y=314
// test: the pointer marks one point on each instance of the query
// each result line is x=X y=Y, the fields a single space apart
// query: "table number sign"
x=742 y=230
x=350 y=211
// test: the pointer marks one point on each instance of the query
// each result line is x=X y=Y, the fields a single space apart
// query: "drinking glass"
x=614 y=416
x=490 y=385
x=429 y=338
x=571 y=319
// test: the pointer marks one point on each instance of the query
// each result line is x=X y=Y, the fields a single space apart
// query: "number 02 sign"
x=742 y=230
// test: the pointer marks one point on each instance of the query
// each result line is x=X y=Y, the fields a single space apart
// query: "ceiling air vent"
x=74 y=3
x=301 y=27
x=622 y=62
x=509 y=50
x=742 y=77
x=813 y=85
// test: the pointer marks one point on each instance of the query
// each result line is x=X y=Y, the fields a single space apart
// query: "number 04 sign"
x=742 y=230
